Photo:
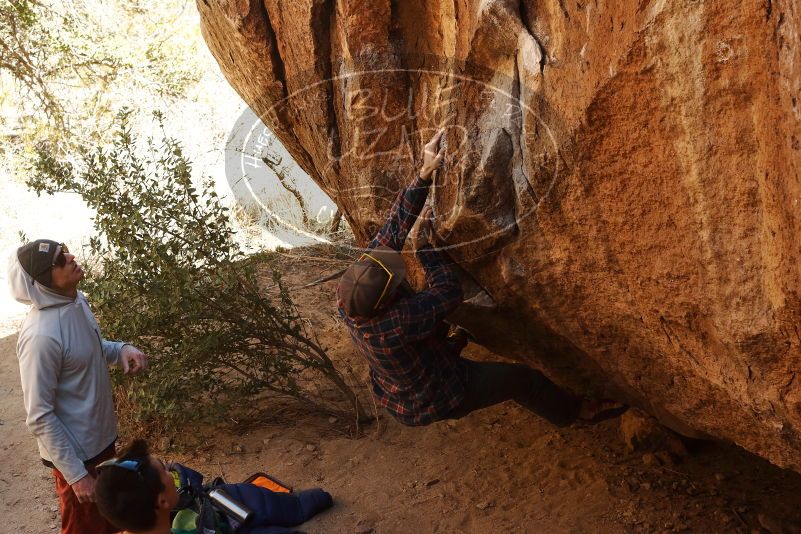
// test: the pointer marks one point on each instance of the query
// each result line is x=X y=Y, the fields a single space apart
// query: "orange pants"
x=77 y=517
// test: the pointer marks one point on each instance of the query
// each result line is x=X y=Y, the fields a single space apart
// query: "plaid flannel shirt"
x=417 y=375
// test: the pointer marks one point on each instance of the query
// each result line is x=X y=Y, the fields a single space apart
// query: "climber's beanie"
x=366 y=284
x=37 y=258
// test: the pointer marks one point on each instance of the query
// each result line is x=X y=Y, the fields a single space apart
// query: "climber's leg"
x=549 y=401
x=490 y=383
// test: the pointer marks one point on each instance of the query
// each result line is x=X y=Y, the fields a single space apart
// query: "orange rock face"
x=622 y=183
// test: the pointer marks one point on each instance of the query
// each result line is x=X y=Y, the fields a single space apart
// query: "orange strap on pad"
x=263 y=480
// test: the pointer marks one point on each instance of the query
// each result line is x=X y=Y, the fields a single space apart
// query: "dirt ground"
x=498 y=470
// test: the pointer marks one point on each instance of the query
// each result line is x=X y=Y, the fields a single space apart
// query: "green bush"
x=170 y=278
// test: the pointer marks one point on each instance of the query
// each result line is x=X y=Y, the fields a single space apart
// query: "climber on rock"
x=416 y=371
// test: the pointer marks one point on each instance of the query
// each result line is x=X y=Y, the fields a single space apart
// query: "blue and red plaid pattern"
x=417 y=375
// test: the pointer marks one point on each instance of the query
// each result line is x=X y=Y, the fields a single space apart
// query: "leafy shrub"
x=171 y=278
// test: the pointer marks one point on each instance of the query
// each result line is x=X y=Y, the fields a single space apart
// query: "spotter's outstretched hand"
x=132 y=360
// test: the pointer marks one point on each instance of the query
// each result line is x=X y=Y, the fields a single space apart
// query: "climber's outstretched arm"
x=410 y=200
x=402 y=215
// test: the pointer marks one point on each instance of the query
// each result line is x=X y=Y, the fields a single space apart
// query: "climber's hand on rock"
x=432 y=155
x=421 y=235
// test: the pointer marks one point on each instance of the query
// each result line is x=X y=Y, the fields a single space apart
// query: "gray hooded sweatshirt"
x=63 y=364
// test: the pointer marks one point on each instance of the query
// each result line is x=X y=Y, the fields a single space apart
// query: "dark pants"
x=77 y=517
x=490 y=383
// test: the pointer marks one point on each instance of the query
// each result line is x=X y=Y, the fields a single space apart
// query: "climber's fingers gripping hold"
x=433 y=153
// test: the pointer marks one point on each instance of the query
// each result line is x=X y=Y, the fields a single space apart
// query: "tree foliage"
x=170 y=277
x=65 y=66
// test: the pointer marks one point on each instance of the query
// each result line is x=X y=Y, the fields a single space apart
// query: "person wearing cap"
x=65 y=380
x=416 y=371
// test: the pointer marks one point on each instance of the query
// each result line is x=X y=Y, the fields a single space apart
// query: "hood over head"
x=27 y=291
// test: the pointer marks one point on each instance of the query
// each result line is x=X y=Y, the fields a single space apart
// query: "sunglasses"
x=389 y=279
x=59 y=258
x=134 y=465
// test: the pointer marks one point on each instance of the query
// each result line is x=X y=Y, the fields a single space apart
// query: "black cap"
x=37 y=258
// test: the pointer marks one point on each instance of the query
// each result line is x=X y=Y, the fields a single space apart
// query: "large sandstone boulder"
x=622 y=188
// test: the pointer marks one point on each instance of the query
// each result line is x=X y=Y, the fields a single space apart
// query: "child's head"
x=134 y=489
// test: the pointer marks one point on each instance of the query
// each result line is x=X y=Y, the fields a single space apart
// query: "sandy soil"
x=28 y=501
x=498 y=470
